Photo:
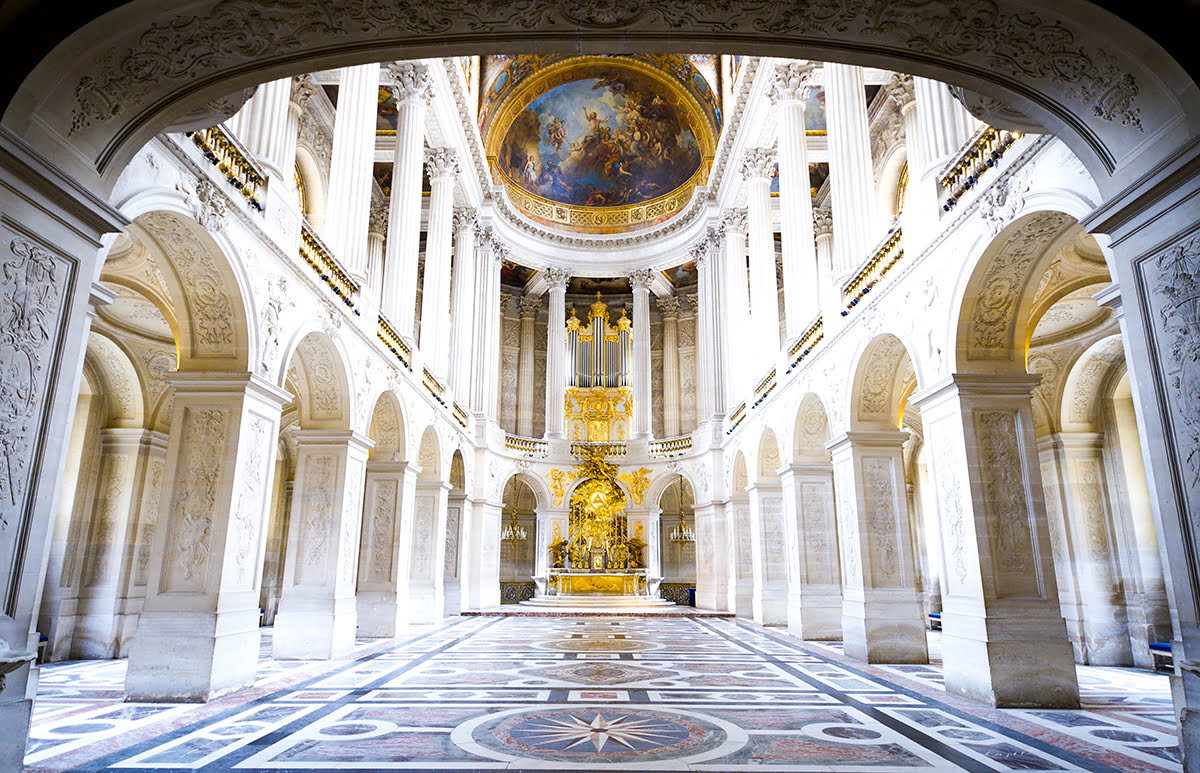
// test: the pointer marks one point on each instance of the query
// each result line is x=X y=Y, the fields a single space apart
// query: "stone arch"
x=387 y=429
x=811 y=430
x=1080 y=265
x=880 y=383
x=1106 y=89
x=210 y=307
x=429 y=456
x=660 y=483
x=318 y=369
x=893 y=168
x=313 y=184
x=120 y=384
x=1092 y=380
x=994 y=321
x=767 y=460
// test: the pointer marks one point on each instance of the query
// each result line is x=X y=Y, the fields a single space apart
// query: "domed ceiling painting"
x=601 y=144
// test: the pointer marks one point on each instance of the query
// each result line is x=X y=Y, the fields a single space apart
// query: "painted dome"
x=601 y=144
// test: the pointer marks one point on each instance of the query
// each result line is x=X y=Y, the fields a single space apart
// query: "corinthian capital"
x=557 y=278
x=791 y=82
x=669 y=306
x=411 y=81
x=758 y=164
x=441 y=163
x=900 y=91
x=465 y=218
x=735 y=220
x=378 y=222
x=822 y=222
x=641 y=278
x=303 y=89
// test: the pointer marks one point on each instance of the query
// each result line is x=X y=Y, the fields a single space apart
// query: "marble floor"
x=592 y=694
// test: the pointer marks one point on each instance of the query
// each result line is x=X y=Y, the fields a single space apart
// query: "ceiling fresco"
x=600 y=144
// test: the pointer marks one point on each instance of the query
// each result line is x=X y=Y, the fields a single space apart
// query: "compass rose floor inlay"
x=588 y=694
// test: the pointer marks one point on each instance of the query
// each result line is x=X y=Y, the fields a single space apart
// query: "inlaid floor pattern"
x=591 y=694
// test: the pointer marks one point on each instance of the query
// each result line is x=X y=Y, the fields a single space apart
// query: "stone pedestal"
x=882 y=619
x=814 y=606
x=317 y=617
x=386 y=546
x=1003 y=638
x=198 y=634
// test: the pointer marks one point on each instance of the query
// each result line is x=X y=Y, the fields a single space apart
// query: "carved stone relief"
x=422 y=540
x=1002 y=476
x=198 y=480
x=149 y=520
x=879 y=495
x=1176 y=300
x=383 y=511
x=316 y=518
x=251 y=506
x=453 y=517
x=351 y=508
x=875 y=391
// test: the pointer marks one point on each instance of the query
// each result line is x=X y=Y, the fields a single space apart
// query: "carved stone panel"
x=1006 y=507
x=817 y=522
x=251 y=505
x=879 y=494
x=197 y=484
x=351 y=508
x=422 y=539
x=315 y=519
x=382 y=497
x=453 y=518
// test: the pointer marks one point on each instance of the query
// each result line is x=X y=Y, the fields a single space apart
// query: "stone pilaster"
x=412 y=85
x=1003 y=638
x=882 y=618
x=383 y=560
x=768 y=558
x=350 y=166
x=640 y=282
x=317 y=615
x=790 y=87
x=198 y=634
x=814 y=605
x=426 y=588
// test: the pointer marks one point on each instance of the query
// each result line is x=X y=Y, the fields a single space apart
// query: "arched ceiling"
x=599 y=144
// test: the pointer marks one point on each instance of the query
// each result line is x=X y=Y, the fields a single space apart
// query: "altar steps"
x=598 y=605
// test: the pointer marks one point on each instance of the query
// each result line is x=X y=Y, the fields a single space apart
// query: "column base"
x=380 y=615
x=815 y=616
x=886 y=629
x=426 y=606
x=773 y=607
x=189 y=657
x=744 y=599
x=14 y=733
x=314 y=629
x=1021 y=660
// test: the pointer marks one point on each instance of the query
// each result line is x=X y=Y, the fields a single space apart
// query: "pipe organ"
x=599 y=401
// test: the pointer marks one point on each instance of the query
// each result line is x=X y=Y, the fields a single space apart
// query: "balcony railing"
x=807 y=341
x=980 y=154
x=764 y=388
x=668 y=447
x=526 y=446
x=584 y=450
x=317 y=255
x=434 y=386
x=459 y=415
x=233 y=161
x=394 y=343
x=884 y=257
x=736 y=418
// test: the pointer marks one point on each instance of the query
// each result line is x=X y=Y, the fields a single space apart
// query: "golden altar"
x=602 y=583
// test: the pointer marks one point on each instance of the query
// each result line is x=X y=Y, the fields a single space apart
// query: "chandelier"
x=513 y=531
x=682 y=534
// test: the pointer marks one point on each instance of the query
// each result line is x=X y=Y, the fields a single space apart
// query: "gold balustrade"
x=318 y=256
x=233 y=161
x=882 y=260
x=807 y=341
x=394 y=343
x=978 y=156
x=587 y=450
x=667 y=447
x=736 y=418
x=764 y=388
x=459 y=415
x=526 y=446
x=434 y=386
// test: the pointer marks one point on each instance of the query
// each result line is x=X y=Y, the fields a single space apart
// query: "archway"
x=740 y=538
x=427 y=567
x=768 y=534
x=518 y=556
x=677 y=553
x=458 y=507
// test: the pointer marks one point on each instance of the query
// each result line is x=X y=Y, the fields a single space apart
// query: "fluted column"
x=710 y=332
x=435 y=296
x=640 y=282
x=851 y=177
x=412 y=85
x=462 y=303
x=262 y=125
x=485 y=346
x=350 y=166
x=556 y=351
x=528 y=307
x=764 y=291
x=800 y=300
x=668 y=308
x=919 y=209
x=376 y=231
x=944 y=124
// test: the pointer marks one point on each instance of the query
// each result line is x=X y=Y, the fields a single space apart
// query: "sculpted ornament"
x=442 y=164
x=192 y=508
x=557 y=278
x=791 y=82
x=412 y=82
x=637 y=482
x=999 y=204
x=641 y=279
x=209 y=205
x=1177 y=297
x=559 y=481
x=758 y=164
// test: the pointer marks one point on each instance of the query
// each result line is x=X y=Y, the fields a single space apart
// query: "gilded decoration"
x=601 y=144
x=597 y=529
x=598 y=414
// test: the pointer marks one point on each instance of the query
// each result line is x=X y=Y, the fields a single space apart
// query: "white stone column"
x=350 y=166
x=827 y=288
x=485 y=347
x=269 y=123
x=1004 y=642
x=791 y=85
x=317 y=616
x=851 y=175
x=640 y=370
x=435 y=295
x=712 y=581
x=668 y=309
x=528 y=306
x=711 y=332
x=412 y=85
x=736 y=309
x=757 y=167
x=556 y=352
x=814 y=578
x=387 y=532
x=376 y=232
x=198 y=633
x=919 y=213
x=462 y=303
x=426 y=588
x=1089 y=548
x=882 y=617
x=944 y=125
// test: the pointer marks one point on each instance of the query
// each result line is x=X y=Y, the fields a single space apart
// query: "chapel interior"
x=571 y=410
